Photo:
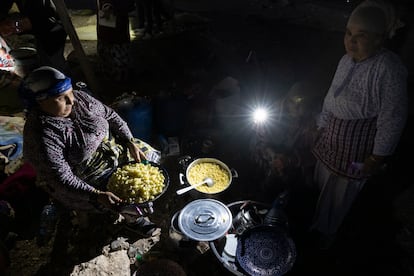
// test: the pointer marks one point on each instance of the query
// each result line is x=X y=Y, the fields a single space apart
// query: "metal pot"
x=176 y=236
x=184 y=178
x=205 y=220
x=245 y=219
x=265 y=251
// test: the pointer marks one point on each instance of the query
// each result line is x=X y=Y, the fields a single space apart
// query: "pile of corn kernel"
x=200 y=171
x=137 y=182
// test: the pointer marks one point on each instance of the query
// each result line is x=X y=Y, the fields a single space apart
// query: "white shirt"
x=375 y=87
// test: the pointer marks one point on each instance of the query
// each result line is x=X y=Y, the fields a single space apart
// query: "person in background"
x=74 y=142
x=37 y=17
x=363 y=116
x=153 y=10
x=151 y=16
x=281 y=148
x=113 y=38
x=141 y=18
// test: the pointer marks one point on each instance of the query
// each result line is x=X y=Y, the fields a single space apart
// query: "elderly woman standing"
x=74 y=142
x=362 y=119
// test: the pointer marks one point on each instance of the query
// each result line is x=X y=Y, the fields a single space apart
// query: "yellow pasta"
x=137 y=183
x=200 y=171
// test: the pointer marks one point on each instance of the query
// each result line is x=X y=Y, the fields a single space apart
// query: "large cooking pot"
x=188 y=163
x=177 y=237
x=205 y=220
x=265 y=251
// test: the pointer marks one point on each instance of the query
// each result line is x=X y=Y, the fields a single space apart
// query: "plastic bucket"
x=171 y=115
x=138 y=115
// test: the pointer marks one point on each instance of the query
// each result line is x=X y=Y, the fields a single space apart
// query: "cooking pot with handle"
x=205 y=220
x=188 y=163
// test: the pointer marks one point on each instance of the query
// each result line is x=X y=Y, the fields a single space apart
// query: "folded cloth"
x=11 y=142
x=6 y=61
x=19 y=183
x=11 y=148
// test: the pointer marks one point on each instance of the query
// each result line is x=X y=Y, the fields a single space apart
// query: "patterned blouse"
x=375 y=87
x=56 y=145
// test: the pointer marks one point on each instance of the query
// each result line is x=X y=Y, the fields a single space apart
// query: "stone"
x=115 y=263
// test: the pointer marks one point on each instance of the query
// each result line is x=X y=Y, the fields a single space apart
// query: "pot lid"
x=265 y=251
x=205 y=219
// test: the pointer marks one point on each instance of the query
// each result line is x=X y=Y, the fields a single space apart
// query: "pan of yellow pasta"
x=139 y=182
x=202 y=168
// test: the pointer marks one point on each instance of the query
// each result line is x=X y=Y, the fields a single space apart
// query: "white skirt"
x=337 y=194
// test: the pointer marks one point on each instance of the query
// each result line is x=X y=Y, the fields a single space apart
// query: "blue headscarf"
x=42 y=83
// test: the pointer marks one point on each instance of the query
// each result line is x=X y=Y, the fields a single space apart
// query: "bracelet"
x=96 y=191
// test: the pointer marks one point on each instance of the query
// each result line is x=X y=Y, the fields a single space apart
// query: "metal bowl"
x=231 y=173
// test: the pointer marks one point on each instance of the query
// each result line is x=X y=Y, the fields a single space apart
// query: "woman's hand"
x=316 y=134
x=135 y=152
x=372 y=164
x=108 y=198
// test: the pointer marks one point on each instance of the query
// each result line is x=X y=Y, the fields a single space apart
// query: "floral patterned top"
x=373 y=88
x=56 y=145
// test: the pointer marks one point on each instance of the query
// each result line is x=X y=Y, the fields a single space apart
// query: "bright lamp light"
x=260 y=115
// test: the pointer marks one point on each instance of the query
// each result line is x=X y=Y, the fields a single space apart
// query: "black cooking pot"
x=265 y=251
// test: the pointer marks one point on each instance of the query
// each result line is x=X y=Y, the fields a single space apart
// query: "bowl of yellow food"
x=202 y=168
x=139 y=182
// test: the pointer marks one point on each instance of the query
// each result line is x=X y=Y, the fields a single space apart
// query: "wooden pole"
x=80 y=53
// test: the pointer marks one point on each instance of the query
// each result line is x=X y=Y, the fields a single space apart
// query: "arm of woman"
x=136 y=152
x=61 y=170
x=107 y=198
x=54 y=168
x=392 y=116
x=117 y=126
